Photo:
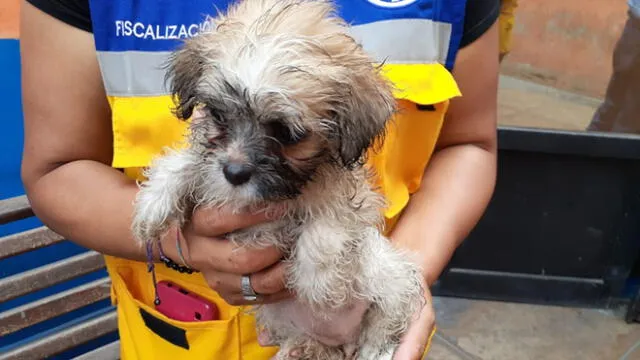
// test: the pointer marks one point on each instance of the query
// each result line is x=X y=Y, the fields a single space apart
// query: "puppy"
x=283 y=106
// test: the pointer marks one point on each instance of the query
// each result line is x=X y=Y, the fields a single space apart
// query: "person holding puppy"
x=87 y=141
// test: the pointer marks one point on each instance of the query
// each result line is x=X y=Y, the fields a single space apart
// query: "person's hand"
x=414 y=342
x=222 y=263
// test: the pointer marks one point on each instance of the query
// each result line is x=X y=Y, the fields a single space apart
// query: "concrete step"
x=523 y=103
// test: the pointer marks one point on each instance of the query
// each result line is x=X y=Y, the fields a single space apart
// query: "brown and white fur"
x=283 y=106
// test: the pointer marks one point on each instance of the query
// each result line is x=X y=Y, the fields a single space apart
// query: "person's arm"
x=68 y=141
x=460 y=178
x=458 y=182
x=74 y=190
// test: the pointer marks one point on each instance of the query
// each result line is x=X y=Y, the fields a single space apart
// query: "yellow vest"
x=143 y=124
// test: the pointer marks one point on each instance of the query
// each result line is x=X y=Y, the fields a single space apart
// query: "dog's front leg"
x=165 y=196
x=324 y=266
x=327 y=309
x=393 y=278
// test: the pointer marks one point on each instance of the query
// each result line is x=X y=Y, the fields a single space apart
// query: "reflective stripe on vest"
x=135 y=37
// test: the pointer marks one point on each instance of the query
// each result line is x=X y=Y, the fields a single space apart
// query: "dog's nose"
x=237 y=174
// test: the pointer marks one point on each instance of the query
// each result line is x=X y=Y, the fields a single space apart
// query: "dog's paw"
x=147 y=230
x=151 y=218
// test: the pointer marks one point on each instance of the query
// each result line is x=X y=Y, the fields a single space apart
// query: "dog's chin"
x=243 y=195
x=254 y=193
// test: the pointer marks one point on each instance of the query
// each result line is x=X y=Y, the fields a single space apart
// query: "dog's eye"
x=214 y=141
x=283 y=134
x=212 y=114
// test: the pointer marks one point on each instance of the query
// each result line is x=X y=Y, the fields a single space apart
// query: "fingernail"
x=264 y=339
x=294 y=353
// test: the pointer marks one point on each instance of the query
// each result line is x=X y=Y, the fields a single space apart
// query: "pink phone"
x=182 y=305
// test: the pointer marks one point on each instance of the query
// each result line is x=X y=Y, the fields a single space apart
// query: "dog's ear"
x=185 y=69
x=363 y=112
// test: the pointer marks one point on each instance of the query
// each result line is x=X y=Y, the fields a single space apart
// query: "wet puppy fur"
x=283 y=106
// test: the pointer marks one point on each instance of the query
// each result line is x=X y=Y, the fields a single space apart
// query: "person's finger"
x=238 y=299
x=414 y=342
x=264 y=339
x=268 y=282
x=219 y=221
x=225 y=256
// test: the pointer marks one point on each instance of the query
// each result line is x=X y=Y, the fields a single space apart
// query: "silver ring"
x=247 y=290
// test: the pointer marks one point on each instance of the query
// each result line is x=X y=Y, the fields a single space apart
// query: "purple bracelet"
x=152 y=269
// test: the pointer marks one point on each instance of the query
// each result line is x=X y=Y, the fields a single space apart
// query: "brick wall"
x=9 y=18
x=567 y=44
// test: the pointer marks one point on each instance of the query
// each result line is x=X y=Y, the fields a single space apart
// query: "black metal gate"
x=563 y=226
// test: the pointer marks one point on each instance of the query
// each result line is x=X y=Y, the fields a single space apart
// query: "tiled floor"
x=473 y=330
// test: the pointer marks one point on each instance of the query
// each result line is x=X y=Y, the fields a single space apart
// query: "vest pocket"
x=145 y=333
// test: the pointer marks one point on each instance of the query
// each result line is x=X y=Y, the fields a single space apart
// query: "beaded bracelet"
x=172 y=264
